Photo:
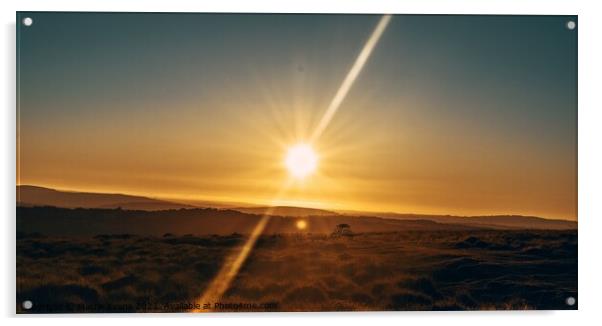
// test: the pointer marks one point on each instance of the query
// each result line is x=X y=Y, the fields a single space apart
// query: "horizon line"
x=263 y=205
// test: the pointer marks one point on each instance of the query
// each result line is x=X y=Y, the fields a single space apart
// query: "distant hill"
x=289 y=211
x=198 y=221
x=493 y=221
x=40 y=196
x=29 y=196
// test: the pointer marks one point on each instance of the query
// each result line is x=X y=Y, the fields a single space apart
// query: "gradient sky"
x=451 y=114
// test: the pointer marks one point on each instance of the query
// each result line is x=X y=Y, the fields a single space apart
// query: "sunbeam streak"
x=232 y=265
x=351 y=77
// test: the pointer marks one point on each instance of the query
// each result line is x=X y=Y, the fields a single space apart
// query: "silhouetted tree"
x=342 y=230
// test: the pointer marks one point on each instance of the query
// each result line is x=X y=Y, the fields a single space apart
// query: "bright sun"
x=301 y=160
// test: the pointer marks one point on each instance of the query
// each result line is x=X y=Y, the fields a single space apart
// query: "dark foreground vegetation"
x=404 y=270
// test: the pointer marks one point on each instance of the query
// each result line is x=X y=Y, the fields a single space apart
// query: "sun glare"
x=301 y=160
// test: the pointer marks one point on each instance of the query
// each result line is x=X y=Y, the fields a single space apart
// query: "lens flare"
x=301 y=224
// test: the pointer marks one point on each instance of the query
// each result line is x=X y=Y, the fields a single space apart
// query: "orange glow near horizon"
x=320 y=191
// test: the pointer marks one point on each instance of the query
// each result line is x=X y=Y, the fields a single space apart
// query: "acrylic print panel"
x=276 y=162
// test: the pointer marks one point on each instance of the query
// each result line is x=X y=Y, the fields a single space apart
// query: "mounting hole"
x=571 y=301
x=27 y=21
x=27 y=304
x=571 y=25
